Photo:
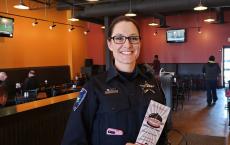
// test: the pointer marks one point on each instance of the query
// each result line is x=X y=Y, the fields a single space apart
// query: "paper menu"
x=153 y=123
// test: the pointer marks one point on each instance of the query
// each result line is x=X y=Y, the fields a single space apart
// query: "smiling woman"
x=125 y=52
x=113 y=104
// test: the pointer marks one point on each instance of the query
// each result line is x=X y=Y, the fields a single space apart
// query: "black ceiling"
x=96 y=11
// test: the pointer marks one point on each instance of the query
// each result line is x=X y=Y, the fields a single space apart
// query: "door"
x=226 y=65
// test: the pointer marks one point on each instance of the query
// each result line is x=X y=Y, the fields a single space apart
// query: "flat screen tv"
x=6 y=26
x=176 y=35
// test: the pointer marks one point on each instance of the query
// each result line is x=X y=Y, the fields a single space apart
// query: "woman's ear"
x=109 y=43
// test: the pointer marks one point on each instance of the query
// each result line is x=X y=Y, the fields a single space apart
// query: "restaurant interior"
x=64 y=42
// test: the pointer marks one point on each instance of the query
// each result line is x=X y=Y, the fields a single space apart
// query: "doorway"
x=226 y=65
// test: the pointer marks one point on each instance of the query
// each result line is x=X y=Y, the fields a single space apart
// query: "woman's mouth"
x=126 y=52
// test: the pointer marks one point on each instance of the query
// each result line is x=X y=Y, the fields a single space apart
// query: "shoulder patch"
x=80 y=98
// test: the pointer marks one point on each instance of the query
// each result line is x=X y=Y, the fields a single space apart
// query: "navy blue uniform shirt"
x=110 y=109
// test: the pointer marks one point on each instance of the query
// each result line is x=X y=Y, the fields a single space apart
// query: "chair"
x=178 y=94
x=29 y=95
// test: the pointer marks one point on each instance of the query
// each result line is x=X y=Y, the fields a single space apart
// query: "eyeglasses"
x=122 y=39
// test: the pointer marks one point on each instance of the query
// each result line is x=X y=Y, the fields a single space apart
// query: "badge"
x=80 y=98
x=147 y=87
x=111 y=91
x=113 y=131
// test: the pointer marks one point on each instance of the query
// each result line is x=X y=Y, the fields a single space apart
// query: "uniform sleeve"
x=203 y=69
x=80 y=122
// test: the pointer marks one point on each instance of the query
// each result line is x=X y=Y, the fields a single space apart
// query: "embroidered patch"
x=80 y=98
x=147 y=87
x=111 y=91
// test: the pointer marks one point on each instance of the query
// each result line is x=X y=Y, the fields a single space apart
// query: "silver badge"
x=111 y=91
x=147 y=87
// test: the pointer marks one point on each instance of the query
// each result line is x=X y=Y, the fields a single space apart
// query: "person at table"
x=31 y=82
x=3 y=89
x=111 y=106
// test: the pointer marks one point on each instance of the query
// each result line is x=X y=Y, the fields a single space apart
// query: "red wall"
x=96 y=44
x=196 y=49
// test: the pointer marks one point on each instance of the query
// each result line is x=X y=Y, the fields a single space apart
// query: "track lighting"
x=199 y=30
x=155 y=33
x=200 y=7
x=52 y=26
x=71 y=28
x=86 y=32
x=35 y=23
x=21 y=6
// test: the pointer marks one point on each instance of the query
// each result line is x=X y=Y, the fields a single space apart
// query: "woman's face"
x=127 y=52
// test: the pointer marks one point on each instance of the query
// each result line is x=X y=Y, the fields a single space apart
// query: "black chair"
x=178 y=94
x=29 y=95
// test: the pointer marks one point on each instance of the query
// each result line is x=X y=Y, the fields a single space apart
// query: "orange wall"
x=197 y=49
x=39 y=46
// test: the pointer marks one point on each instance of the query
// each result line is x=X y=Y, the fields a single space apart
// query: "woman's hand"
x=130 y=144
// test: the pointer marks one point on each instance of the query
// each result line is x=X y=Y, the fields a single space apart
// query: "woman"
x=111 y=106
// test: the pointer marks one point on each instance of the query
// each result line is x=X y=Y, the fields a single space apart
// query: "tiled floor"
x=197 y=118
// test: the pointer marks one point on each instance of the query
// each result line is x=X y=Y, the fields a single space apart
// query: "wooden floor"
x=196 y=117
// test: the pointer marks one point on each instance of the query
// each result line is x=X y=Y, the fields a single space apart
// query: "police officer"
x=110 y=107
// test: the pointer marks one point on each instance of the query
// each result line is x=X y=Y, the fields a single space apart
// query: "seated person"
x=3 y=89
x=31 y=82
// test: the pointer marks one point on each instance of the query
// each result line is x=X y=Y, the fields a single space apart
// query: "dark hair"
x=32 y=72
x=119 y=19
x=212 y=58
x=156 y=56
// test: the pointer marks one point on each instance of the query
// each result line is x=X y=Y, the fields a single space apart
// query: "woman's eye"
x=119 y=38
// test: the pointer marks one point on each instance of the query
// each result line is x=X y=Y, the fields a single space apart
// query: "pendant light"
x=209 y=19
x=73 y=19
x=200 y=7
x=21 y=6
x=130 y=13
x=153 y=23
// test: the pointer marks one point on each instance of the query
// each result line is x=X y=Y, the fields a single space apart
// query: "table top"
x=36 y=104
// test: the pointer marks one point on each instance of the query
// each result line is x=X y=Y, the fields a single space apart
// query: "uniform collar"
x=112 y=73
x=211 y=61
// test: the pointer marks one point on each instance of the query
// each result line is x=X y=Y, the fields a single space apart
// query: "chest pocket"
x=113 y=103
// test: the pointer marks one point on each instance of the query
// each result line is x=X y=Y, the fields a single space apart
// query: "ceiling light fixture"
x=71 y=28
x=92 y=0
x=209 y=19
x=153 y=23
x=21 y=6
x=199 y=30
x=130 y=13
x=73 y=19
x=52 y=26
x=200 y=7
x=35 y=23
x=86 y=32
x=155 y=33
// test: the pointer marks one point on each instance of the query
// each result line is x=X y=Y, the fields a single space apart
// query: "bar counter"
x=40 y=122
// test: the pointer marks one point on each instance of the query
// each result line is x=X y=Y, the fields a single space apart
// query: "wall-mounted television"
x=6 y=26
x=176 y=36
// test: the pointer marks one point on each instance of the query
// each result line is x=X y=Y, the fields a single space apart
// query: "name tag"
x=113 y=131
